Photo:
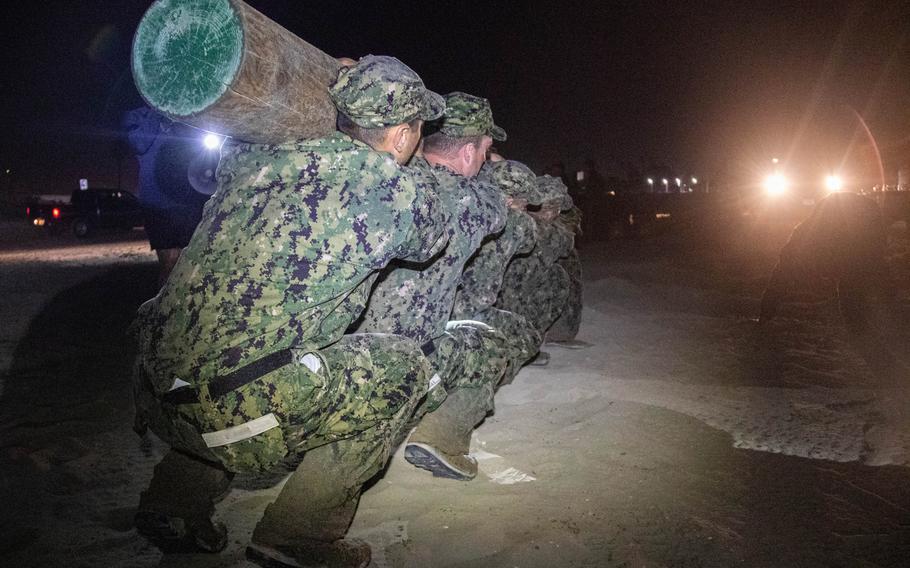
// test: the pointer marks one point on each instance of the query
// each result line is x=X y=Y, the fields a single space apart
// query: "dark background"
x=713 y=89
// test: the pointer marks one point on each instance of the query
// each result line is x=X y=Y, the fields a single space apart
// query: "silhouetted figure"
x=843 y=240
x=171 y=206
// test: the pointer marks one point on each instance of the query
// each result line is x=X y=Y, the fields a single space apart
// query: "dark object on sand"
x=843 y=240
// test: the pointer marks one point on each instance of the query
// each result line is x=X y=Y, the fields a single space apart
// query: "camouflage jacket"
x=285 y=255
x=416 y=300
x=483 y=275
x=554 y=241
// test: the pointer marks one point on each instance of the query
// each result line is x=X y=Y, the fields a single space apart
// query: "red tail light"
x=28 y=211
x=55 y=213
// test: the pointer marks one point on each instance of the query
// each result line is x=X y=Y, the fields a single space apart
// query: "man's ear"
x=400 y=136
x=467 y=153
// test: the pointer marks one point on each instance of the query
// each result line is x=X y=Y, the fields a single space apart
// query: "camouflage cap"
x=514 y=179
x=380 y=91
x=467 y=115
x=552 y=189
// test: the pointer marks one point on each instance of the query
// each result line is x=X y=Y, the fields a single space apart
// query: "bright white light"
x=834 y=183
x=212 y=141
x=774 y=160
x=678 y=182
x=776 y=184
x=694 y=181
x=650 y=181
x=664 y=181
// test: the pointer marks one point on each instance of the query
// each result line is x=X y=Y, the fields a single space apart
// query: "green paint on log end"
x=186 y=54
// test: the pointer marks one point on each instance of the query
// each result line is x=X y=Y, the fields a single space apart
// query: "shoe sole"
x=270 y=558
x=425 y=457
x=574 y=345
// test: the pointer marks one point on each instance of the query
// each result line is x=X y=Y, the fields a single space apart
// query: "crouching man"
x=843 y=240
x=416 y=300
x=243 y=365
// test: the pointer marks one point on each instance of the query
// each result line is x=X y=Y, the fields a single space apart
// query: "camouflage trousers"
x=467 y=357
x=520 y=341
x=535 y=291
x=566 y=326
x=341 y=409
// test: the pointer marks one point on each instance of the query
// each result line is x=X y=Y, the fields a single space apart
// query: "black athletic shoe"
x=440 y=464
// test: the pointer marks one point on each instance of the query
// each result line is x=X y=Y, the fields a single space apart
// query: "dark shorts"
x=171 y=228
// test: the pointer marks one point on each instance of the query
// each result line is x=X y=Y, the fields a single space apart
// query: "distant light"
x=664 y=181
x=212 y=141
x=834 y=183
x=55 y=213
x=694 y=181
x=678 y=182
x=774 y=160
x=650 y=181
x=776 y=184
x=7 y=171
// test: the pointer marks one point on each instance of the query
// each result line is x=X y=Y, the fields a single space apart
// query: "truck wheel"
x=81 y=228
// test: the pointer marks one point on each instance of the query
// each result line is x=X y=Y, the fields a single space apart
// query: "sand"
x=685 y=436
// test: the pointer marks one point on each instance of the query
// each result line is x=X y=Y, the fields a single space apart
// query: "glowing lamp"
x=834 y=183
x=776 y=184
x=212 y=141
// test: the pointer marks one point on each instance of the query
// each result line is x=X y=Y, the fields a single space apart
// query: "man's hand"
x=517 y=203
x=548 y=212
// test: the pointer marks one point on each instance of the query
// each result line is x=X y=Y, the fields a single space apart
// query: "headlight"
x=776 y=184
x=834 y=183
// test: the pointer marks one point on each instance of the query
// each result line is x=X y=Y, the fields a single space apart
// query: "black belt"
x=220 y=386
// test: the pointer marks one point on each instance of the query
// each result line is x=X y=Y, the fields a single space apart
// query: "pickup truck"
x=88 y=210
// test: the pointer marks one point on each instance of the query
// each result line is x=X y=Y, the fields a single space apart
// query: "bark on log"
x=222 y=66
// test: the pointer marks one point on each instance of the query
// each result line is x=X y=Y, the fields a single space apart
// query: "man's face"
x=478 y=157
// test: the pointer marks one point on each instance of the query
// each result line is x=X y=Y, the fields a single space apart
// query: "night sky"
x=712 y=88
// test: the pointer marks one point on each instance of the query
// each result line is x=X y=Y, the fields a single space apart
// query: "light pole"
x=651 y=185
x=666 y=184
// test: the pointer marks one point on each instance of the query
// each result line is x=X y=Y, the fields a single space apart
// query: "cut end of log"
x=186 y=54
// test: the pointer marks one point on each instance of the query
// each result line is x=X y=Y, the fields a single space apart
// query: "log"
x=222 y=66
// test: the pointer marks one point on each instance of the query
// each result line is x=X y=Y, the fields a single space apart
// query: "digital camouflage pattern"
x=566 y=326
x=534 y=285
x=466 y=115
x=534 y=290
x=380 y=91
x=514 y=179
x=553 y=190
x=482 y=276
x=416 y=300
x=366 y=383
x=284 y=258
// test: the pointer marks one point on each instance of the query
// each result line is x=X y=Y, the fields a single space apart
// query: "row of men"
x=338 y=294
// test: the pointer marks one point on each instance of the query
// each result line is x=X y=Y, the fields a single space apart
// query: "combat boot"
x=542 y=359
x=441 y=442
x=175 y=512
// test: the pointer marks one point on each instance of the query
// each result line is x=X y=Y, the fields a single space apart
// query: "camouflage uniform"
x=416 y=300
x=280 y=266
x=483 y=275
x=536 y=286
x=566 y=326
